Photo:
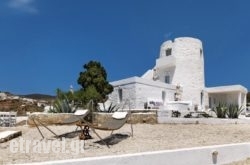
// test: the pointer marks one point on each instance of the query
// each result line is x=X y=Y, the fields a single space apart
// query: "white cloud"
x=23 y=5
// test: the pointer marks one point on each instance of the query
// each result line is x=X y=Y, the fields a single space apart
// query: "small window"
x=167 y=79
x=163 y=95
x=120 y=95
x=201 y=52
x=168 y=52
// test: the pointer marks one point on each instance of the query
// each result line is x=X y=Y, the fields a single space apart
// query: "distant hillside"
x=37 y=96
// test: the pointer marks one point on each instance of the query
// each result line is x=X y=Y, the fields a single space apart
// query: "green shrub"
x=110 y=109
x=234 y=111
x=176 y=114
x=220 y=110
x=188 y=115
x=62 y=105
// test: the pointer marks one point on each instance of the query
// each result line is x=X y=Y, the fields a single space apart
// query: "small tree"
x=94 y=83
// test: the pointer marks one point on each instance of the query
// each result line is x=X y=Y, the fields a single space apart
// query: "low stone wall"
x=136 y=117
x=48 y=118
x=57 y=118
x=149 y=118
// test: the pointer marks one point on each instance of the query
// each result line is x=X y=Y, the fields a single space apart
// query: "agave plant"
x=234 y=111
x=220 y=110
x=111 y=108
x=62 y=106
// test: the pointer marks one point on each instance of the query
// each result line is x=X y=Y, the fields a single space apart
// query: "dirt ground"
x=146 y=137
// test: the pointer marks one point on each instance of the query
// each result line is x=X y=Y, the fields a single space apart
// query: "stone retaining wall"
x=48 y=118
x=149 y=117
x=57 y=118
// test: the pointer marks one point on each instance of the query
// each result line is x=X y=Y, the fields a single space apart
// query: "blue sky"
x=44 y=43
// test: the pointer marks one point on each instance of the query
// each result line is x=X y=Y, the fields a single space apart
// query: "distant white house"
x=177 y=77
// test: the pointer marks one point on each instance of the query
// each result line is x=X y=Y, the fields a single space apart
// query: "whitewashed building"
x=176 y=79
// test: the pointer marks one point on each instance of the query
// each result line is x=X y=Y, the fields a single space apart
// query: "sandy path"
x=146 y=138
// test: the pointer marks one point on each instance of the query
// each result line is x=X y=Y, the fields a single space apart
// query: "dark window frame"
x=120 y=95
x=167 y=79
x=168 y=52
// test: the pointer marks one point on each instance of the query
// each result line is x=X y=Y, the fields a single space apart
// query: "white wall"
x=138 y=90
x=189 y=156
x=188 y=69
x=185 y=66
x=227 y=98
